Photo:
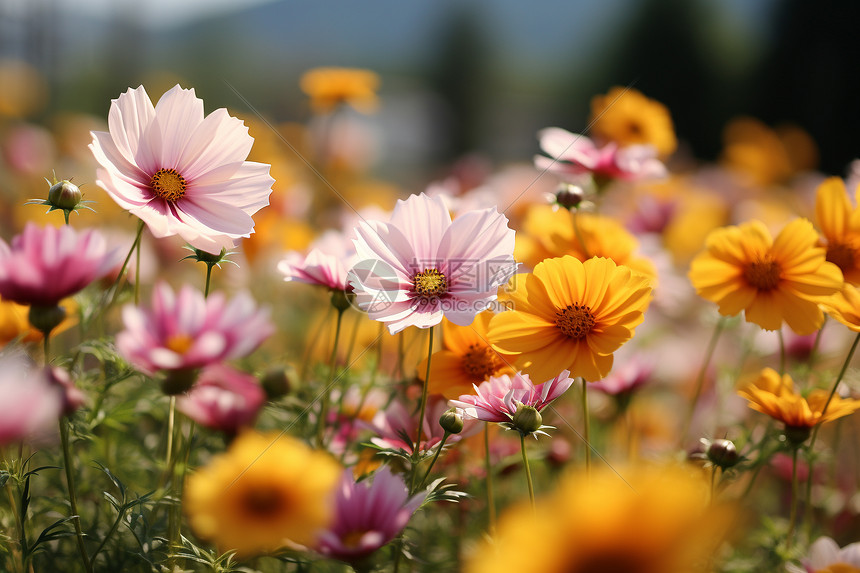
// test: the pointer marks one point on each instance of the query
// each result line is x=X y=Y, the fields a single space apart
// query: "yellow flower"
x=653 y=520
x=844 y=306
x=627 y=117
x=571 y=315
x=330 y=87
x=765 y=155
x=840 y=224
x=548 y=233
x=775 y=396
x=771 y=280
x=467 y=359
x=14 y=322
x=266 y=490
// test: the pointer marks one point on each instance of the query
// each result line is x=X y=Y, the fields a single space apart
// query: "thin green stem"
x=137 y=275
x=813 y=353
x=587 y=429
x=792 y=520
x=488 y=467
x=20 y=529
x=781 y=352
x=528 y=470
x=134 y=245
x=700 y=377
x=416 y=450
x=208 y=280
x=835 y=386
x=46 y=347
x=324 y=400
x=73 y=498
x=66 y=215
x=435 y=457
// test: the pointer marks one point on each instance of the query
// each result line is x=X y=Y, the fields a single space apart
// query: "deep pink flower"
x=181 y=173
x=395 y=421
x=421 y=266
x=223 y=399
x=572 y=154
x=367 y=516
x=30 y=402
x=185 y=330
x=497 y=399
x=45 y=265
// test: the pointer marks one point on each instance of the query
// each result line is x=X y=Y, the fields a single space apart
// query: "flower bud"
x=178 y=381
x=64 y=195
x=341 y=300
x=451 y=421
x=277 y=382
x=569 y=196
x=46 y=318
x=722 y=453
x=796 y=435
x=527 y=419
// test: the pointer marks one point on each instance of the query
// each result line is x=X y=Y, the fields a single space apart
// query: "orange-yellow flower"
x=548 y=233
x=14 y=322
x=771 y=280
x=653 y=520
x=774 y=395
x=330 y=87
x=627 y=117
x=766 y=155
x=844 y=306
x=571 y=315
x=467 y=359
x=265 y=491
x=839 y=222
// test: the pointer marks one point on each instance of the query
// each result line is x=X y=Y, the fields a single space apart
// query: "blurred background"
x=457 y=76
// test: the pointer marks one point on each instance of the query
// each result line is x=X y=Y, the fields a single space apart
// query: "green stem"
x=781 y=352
x=488 y=467
x=587 y=432
x=835 y=386
x=792 y=520
x=700 y=377
x=73 y=498
x=423 y=407
x=433 y=461
x=134 y=245
x=324 y=400
x=208 y=280
x=528 y=470
x=19 y=528
x=813 y=354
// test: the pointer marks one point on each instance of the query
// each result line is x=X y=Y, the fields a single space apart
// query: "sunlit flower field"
x=228 y=346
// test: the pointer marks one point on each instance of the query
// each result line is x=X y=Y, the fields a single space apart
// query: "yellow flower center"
x=575 y=321
x=263 y=501
x=179 y=343
x=480 y=362
x=763 y=273
x=430 y=282
x=841 y=255
x=168 y=184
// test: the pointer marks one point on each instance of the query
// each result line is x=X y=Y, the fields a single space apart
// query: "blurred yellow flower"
x=844 y=306
x=774 y=395
x=771 y=280
x=627 y=117
x=571 y=315
x=14 y=322
x=265 y=491
x=765 y=155
x=548 y=233
x=330 y=87
x=640 y=520
x=840 y=224
x=466 y=359
x=25 y=90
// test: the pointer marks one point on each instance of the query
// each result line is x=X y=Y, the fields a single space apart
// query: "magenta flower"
x=397 y=421
x=223 y=399
x=421 y=266
x=367 y=516
x=573 y=155
x=187 y=331
x=30 y=402
x=45 y=265
x=499 y=398
x=180 y=172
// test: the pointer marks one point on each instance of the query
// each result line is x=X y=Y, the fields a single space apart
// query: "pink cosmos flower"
x=397 y=421
x=421 y=265
x=223 y=399
x=180 y=172
x=367 y=516
x=498 y=398
x=572 y=154
x=30 y=402
x=825 y=554
x=186 y=331
x=325 y=265
x=45 y=265
x=626 y=378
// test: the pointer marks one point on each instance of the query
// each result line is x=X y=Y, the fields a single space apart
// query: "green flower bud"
x=341 y=300
x=796 y=435
x=569 y=196
x=723 y=453
x=527 y=419
x=46 y=318
x=64 y=195
x=178 y=381
x=277 y=382
x=451 y=421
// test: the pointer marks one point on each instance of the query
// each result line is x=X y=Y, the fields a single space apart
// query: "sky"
x=158 y=13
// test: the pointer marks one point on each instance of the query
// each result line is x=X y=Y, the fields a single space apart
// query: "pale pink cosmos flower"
x=397 y=422
x=367 y=516
x=185 y=330
x=325 y=265
x=824 y=553
x=180 y=172
x=497 y=399
x=30 y=402
x=573 y=155
x=223 y=399
x=625 y=378
x=42 y=266
x=421 y=265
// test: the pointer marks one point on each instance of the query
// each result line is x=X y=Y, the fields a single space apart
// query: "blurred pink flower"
x=367 y=516
x=181 y=173
x=317 y=268
x=30 y=402
x=626 y=378
x=223 y=399
x=186 y=331
x=825 y=553
x=45 y=265
x=421 y=266
x=499 y=397
x=572 y=154
x=397 y=422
